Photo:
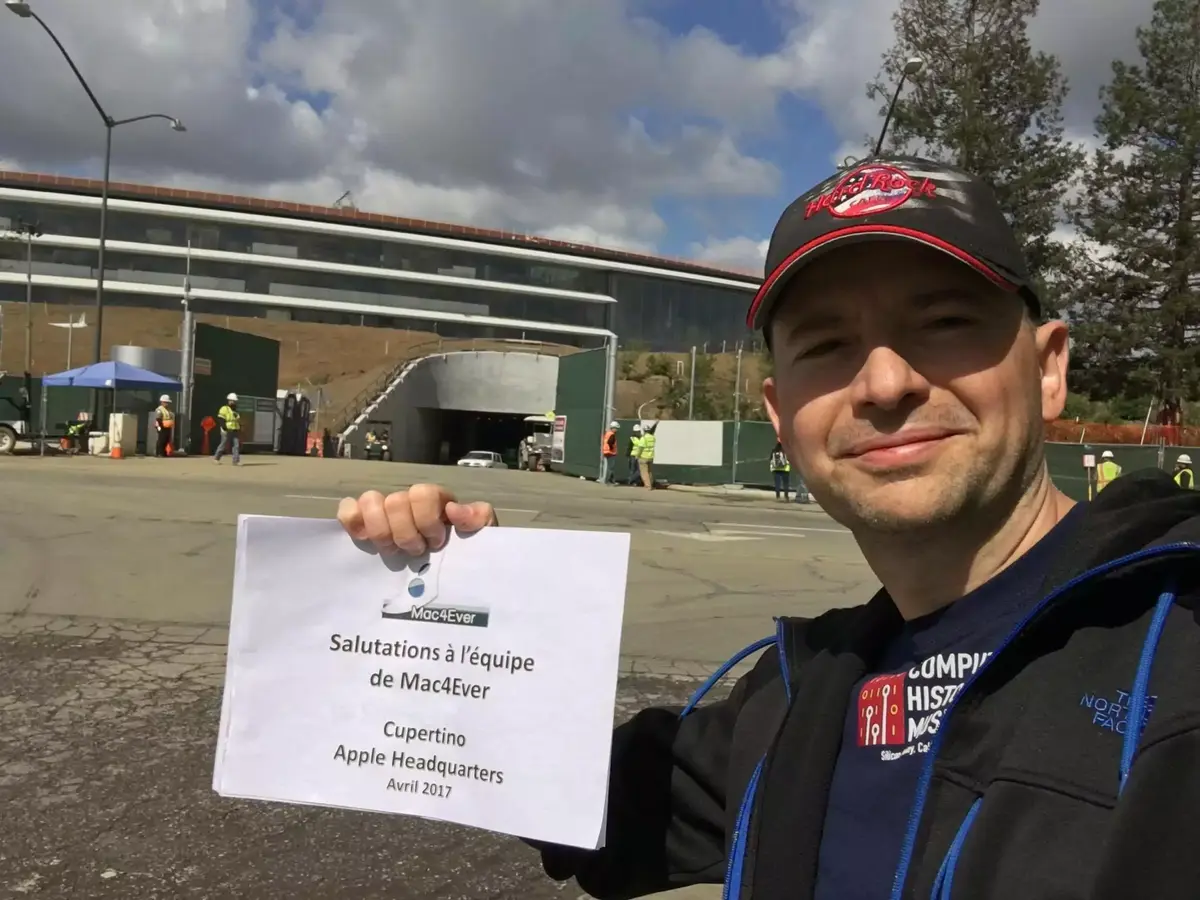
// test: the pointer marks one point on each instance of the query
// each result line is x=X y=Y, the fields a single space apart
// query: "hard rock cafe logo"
x=870 y=190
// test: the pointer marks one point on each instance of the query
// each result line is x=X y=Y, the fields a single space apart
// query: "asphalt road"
x=114 y=591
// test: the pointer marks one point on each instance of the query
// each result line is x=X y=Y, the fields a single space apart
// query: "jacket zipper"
x=914 y=817
x=737 y=855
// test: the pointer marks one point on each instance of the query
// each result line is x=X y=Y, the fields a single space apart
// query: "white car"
x=483 y=459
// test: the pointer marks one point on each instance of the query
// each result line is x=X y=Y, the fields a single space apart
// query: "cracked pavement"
x=114 y=593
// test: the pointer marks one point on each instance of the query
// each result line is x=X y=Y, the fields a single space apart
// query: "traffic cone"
x=116 y=453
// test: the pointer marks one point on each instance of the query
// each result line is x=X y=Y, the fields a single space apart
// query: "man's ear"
x=771 y=401
x=1051 y=340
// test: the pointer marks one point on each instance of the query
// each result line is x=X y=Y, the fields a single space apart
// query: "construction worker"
x=608 y=453
x=781 y=469
x=1107 y=472
x=231 y=430
x=634 y=451
x=164 y=422
x=646 y=456
x=1184 y=476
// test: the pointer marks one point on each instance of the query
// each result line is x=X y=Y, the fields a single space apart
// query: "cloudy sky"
x=680 y=127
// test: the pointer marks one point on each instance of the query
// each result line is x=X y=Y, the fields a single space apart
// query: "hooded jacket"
x=1022 y=794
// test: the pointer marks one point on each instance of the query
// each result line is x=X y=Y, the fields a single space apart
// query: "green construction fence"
x=580 y=398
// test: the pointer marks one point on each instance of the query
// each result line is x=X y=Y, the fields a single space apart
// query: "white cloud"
x=742 y=254
x=567 y=118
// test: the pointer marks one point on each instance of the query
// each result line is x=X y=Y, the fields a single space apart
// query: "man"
x=781 y=471
x=608 y=451
x=1017 y=712
x=164 y=423
x=231 y=430
x=1184 y=476
x=1107 y=472
x=646 y=455
x=634 y=451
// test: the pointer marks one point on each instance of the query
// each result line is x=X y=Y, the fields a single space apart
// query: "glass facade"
x=651 y=313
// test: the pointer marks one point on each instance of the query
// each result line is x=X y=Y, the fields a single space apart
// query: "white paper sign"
x=474 y=685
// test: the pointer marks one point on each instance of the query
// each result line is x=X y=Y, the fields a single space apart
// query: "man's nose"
x=886 y=380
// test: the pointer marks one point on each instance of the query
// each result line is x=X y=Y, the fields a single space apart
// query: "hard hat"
x=231 y=398
x=1107 y=454
x=637 y=427
x=164 y=399
x=614 y=424
x=1185 y=459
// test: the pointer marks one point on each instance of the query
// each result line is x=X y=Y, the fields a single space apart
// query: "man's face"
x=908 y=389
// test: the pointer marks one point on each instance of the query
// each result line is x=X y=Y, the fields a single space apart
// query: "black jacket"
x=1022 y=796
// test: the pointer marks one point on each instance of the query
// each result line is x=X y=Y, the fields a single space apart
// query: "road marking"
x=499 y=509
x=779 y=528
x=708 y=537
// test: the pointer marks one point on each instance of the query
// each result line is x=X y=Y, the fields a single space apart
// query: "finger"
x=350 y=517
x=376 y=527
x=470 y=517
x=429 y=512
x=397 y=507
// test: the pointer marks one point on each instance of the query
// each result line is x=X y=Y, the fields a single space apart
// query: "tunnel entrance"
x=461 y=431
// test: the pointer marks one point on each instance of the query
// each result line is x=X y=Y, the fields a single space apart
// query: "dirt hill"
x=340 y=359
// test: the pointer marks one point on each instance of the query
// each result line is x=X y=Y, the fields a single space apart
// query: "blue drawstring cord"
x=724 y=670
x=1139 y=696
x=944 y=883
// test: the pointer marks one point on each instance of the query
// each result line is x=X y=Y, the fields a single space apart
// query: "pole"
x=1146 y=424
x=737 y=414
x=98 y=337
x=70 y=338
x=610 y=389
x=692 y=386
x=42 y=442
x=28 y=298
x=97 y=340
x=891 y=110
x=186 y=362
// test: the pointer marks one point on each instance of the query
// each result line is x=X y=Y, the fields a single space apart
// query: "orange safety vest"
x=609 y=443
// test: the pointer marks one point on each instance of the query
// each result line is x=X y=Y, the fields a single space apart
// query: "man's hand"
x=411 y=521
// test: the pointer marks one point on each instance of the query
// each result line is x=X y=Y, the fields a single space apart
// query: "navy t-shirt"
x=894 y=714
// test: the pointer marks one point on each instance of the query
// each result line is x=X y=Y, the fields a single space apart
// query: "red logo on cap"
x=870 y=190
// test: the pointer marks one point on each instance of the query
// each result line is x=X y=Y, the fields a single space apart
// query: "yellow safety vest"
x=230 y=418
x=648 y=447
x=785 y=467
x=164 y=413
x=635 y=447
x=1191 y=479
x=1106 y=472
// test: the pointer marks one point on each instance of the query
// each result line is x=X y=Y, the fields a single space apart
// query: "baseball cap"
x=904 y=198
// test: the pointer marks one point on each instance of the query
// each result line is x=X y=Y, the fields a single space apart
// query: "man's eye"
x=950 y=322
x=822 y=349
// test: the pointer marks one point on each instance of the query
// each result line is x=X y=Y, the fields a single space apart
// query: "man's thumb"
x=469 y=517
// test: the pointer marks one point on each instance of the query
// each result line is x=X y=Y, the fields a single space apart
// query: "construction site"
x=477 y=398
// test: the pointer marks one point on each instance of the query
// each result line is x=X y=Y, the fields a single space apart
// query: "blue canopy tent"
x=112 y=375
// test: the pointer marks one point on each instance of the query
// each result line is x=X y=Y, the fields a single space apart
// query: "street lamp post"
x=24 y=11
x=912 y=66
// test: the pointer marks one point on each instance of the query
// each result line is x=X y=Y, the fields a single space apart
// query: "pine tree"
x=988 y=102
x=1137 y=310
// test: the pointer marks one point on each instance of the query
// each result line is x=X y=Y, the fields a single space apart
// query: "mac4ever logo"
x=870 y=190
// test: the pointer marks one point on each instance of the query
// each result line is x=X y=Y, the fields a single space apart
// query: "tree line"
x=1127 y=276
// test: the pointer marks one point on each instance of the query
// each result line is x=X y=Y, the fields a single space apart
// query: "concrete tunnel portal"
x=444 y=406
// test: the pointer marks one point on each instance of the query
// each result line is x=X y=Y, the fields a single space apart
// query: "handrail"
x=349 y=412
